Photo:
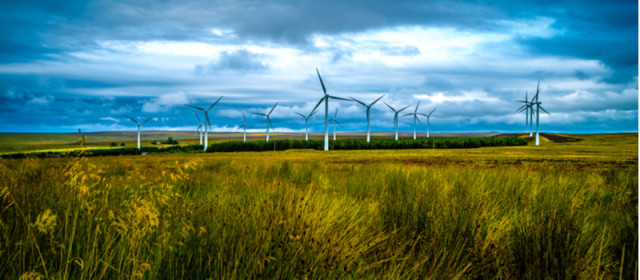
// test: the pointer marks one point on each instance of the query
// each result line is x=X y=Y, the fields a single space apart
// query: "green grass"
x=558 y=211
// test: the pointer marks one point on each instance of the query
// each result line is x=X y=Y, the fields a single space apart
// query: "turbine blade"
x=148 y=120
x=260 y=114
x=338 y=123
x=198 y=118
x=321 y=83
x=270 y=124
x=335 y=116
x=417 y=107
x=404 y=108
x=274 y=106
x=132 y=119
x=418 y=119
x=194 y=107
x=300 y=114
x=543 y=110
x=374 y=102
x=319 y=102
x=433 y=111
x=207 y=120
x=214 y=103
x=385 y=103
x=312 y=113
x=339 y=98
x=356 y=100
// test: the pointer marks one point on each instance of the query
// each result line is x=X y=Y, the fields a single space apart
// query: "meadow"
x=565 y=210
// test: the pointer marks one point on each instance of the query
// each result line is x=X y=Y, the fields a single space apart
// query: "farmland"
x=566 y=209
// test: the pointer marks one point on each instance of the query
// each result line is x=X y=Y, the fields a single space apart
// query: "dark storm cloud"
x=602 y=30
x=38 y=32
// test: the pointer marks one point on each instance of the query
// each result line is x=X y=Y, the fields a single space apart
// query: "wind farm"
x=438 y=167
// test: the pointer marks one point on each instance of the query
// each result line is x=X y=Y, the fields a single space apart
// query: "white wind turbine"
x=428 y=120
x=139 y=124
x=368 y=109
x=529 y=111
x=335 y=123
x=244 y=127
x=395 y=117
x=200 y=128
x=268 y=119
x=415 y=119
x=207 y=124
x=326 y=98
x=537 y=103
x=306 y=123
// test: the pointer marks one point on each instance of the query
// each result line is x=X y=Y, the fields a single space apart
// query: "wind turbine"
x=526 y=107
x=537 y=103
x=268 y=119
x=335 y=122
x=415 y=118
x=139 y=124
x=428 y=120
x=395 y=117
x=326 y=98
x=200 y=128
x=244 y=127
x=306 y=123
x=368 y=109
x=207 y=121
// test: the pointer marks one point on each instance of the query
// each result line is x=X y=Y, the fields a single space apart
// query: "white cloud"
x=109 y=119
x=165 y=102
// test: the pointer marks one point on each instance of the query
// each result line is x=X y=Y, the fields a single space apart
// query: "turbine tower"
x=207 y=124
x=200 y=128
x=395 y=117
x=415 y=119
x=527 y=108
x=306 y=123
x=268 y=119
x=531 y=118
x=335 y=122
x=244 y=127
x=428 y=120
x=537 y=103
x=139 y=124
x=326 y=98
x=368 y=109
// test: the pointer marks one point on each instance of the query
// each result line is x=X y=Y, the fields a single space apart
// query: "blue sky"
x=66 y=65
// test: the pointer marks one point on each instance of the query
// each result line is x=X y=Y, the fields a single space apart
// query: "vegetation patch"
x=286 y=144
x=352 y=214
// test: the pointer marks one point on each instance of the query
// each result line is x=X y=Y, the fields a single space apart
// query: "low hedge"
x=286 y=144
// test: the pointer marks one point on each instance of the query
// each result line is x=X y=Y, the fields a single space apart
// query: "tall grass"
x=272 y=216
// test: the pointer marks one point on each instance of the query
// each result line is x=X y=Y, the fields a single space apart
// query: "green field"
x=565 y=210
x=58 y=142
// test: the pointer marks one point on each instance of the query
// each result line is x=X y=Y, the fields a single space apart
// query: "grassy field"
x=565 y=210
x=42 y=142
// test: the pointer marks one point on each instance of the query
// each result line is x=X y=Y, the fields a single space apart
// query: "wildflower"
x=31 y=275
x=45 y=221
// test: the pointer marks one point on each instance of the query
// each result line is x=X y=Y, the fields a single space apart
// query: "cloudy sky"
x=66 y=65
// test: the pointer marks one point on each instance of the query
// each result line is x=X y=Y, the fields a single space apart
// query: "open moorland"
x=567 y=209
x=43 y=142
